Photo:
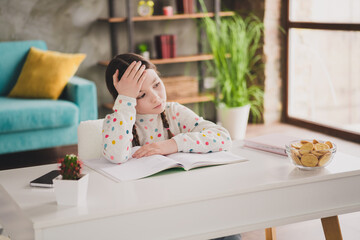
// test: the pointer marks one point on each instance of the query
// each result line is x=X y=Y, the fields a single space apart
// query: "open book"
x=136 y=168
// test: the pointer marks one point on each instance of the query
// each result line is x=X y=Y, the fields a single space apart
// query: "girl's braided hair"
x=122 y=62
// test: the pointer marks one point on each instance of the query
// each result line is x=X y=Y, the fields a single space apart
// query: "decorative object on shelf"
x=168 y=11
x=145 y=8
x=188 y=84
x=71 y=186
x=165 y=46
x=185 y=6
x=234 y=43
x=143 y=49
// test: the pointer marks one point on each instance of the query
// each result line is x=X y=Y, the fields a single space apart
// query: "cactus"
x=70 y=167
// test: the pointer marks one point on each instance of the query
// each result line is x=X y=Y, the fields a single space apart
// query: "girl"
x=142 y=117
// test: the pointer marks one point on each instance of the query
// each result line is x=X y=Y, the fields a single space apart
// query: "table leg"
x=270 y=234
x=331 y=228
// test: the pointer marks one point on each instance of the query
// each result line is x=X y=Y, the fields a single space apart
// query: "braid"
x=166 y=124
x=135 y=141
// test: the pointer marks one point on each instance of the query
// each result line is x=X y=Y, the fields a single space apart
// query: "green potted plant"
x=71 y=185
x=143 y=49
x=234 y=42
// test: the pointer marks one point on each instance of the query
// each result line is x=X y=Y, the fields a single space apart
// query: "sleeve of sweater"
x=117 y=130
x=197 y=134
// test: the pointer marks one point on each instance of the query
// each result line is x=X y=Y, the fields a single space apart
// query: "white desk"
x=267 y=191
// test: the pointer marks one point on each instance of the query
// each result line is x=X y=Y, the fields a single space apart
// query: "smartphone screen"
x=45 y=180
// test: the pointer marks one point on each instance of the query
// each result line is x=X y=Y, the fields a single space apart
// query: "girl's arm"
x=117 y=130
x=197 y=134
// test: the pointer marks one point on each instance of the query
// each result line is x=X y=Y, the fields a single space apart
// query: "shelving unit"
x=129 y=20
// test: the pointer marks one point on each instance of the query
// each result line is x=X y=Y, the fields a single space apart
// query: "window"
x=323 y=66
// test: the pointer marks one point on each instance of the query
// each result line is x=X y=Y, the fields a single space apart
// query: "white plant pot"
x=71 y=192
x=146 y=55
x=235 y=120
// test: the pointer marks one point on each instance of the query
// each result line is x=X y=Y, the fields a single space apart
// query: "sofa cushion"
x=45 y=74
x=12 y=58
x=28 y=114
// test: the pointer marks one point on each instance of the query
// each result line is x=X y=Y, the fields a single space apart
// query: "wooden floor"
x=309 y=230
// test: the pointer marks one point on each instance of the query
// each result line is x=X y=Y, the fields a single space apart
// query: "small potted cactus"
x=71 y=185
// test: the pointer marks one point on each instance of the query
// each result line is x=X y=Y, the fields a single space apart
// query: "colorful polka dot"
x=207 y=143
x=131 y=118
x=156 y=129
x=121 y=137
x=141 y=120
x=112 y=157
x=214 y=140
x=115 y=110
x=197 y=142
x=197 y=119
x=112 y=129
x=106 y=136
x=218 y=134
x=222 y=142
x=151 y=137
x=151 y=120
x=108 y=121
x=191 y=150
x=185 y=140
x=146 y=127
x=129 y=103
x=121 y=122
x=173 y=117
x=127 y=131
x=113 y=142
x=196 y=124
x=210 y=151
x=105 y=145
x=204 y=135
x=114 y=120
x=103 y=130
x=220 y=149
x=159 y=135
x=120 y=101
x=179 y=124
x=177 y=114
x=184 y=127
x=147 y=143
x=108 y=117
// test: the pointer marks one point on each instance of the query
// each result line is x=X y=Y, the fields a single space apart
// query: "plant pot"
x=71 y=192
x=235 y=120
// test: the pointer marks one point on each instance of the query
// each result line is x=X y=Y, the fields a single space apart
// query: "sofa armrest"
x=83 y=93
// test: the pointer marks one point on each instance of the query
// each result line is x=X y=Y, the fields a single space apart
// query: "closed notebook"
x=274 y=143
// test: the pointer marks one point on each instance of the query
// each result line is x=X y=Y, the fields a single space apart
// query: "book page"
x=194 y=160
x=134 y=168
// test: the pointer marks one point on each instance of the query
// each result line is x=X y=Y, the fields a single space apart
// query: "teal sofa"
x=29 y=124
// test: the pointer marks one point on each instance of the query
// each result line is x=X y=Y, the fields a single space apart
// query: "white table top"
x=264 y=171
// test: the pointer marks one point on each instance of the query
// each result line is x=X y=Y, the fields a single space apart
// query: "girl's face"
x=152 y=95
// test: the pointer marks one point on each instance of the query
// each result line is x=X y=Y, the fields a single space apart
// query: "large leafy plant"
x=235 y=42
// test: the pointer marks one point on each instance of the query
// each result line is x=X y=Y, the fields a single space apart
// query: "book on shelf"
x=136 y=168
x=185 y=6
x=274 y=143
x=165 y=46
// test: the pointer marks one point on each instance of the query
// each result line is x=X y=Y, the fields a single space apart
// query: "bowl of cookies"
x=310 y=154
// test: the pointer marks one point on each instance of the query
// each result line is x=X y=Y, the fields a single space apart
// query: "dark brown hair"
x=122 y=62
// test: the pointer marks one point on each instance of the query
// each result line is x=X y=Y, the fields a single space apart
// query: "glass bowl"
x=310 y=154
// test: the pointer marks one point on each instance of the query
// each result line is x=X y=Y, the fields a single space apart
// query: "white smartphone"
x=45 y=180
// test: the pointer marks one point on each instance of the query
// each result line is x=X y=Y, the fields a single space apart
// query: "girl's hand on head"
x=131 y=81
x=163 y=148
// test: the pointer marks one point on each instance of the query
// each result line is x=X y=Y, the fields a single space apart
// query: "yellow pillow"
x=45 y=74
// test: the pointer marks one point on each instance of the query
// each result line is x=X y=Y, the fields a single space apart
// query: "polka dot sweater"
x=191 y=132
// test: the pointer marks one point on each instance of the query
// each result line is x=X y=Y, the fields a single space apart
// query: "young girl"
x=142 y=117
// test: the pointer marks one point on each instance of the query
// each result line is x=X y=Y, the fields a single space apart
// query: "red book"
x=190 y=4
x=165 y=46
x=172 y=46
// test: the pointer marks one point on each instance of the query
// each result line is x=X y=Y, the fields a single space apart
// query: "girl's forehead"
x=150 y=76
